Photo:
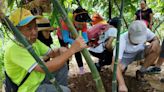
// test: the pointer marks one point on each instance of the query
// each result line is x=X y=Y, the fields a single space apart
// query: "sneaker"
x=81 y=70
x=153 y=70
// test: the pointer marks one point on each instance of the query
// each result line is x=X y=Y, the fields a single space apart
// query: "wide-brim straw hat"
x=44 y=25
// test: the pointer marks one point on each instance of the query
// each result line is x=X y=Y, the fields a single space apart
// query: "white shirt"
x=111 y=32
x=128 y=50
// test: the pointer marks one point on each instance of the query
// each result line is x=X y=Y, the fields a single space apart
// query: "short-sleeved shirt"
x=111 y=32
x=144 y=14
x=128 y=50
x=18 y=61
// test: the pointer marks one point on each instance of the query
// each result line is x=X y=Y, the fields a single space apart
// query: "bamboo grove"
x=59 y=10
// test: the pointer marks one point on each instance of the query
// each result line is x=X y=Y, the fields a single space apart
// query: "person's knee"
x=155 y=52
x=158 y=50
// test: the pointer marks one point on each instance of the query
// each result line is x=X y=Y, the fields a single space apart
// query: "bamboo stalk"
x=95 y=74
x=122 y=16
x=5 y=21
x=110 y=10
x=114 y=76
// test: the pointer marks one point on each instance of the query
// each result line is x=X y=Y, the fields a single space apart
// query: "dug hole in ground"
x=85 y=83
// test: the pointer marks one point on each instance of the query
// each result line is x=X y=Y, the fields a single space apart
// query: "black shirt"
x=144 y=14
x=47 y=42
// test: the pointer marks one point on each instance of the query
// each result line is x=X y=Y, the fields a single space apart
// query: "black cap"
x=82 y=15
x=114 y=21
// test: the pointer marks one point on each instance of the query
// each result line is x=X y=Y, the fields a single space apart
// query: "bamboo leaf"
x=10 y=3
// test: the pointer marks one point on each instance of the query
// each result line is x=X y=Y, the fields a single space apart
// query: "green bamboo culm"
x=126 y=24
x=86 y=54
x=55 y=15
x=114 y=76
x=26 y=44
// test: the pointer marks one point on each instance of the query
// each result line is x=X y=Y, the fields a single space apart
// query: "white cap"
x=138 y=32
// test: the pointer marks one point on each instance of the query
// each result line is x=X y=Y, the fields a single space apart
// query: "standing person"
x=132 y=48
x=18 y=61
x=80 y=17
x=145 y=13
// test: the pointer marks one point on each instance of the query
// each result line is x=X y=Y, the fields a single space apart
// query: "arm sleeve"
x=66 y=37
x=85 y=36
x=43 y=49
x=84 y=33
x=64 y=26
x=150 y=10
x=111 y=32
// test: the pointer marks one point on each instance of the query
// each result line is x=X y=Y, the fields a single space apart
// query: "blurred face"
x=30 y=31
x=76 y=22
x=46 y=34
x=142 y=5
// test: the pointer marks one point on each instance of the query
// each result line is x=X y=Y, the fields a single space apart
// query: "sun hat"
x=44 y=25
x=81 y=15
x=138 y=32
x=21 y=17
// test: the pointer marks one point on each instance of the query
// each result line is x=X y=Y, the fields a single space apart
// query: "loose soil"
x=85 y=83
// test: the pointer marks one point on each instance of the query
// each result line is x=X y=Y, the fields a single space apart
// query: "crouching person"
x=132 y=47
x=18 y=61
x=101 y=37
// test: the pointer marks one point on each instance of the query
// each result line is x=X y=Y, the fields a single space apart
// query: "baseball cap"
x=138 y=32
x=21 y=17
x=44 y=25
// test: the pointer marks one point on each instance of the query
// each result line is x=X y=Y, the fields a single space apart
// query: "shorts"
x=126 y=61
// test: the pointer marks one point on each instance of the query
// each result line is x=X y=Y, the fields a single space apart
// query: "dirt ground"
x=85 y=83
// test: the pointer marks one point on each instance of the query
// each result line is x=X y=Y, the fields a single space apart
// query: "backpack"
x=95 y=32
x=10 y=86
